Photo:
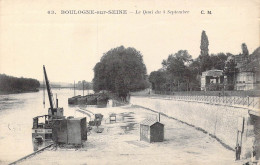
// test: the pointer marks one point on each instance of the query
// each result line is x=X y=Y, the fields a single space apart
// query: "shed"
x=70 y=130
x=151 y=131
x=77 y=130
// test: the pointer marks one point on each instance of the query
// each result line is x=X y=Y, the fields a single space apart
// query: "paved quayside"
x=119 y=144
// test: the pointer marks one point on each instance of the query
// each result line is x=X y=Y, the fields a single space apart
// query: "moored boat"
x=42 y=125
x=99 y=99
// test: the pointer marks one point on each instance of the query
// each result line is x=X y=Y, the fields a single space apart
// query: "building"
x=151 y=131
x=212 y=79
x=248 y=76
x=248 y=71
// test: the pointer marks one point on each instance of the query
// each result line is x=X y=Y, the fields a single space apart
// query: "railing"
x=252 y=102
x=251 y=93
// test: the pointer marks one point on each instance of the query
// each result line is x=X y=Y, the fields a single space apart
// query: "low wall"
x=218 y=120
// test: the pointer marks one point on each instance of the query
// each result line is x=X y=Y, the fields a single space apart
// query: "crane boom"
x=48 y=90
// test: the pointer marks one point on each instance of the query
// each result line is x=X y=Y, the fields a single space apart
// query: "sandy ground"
x=119 y=144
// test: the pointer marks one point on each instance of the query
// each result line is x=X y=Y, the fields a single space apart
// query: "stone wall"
x=218 y=120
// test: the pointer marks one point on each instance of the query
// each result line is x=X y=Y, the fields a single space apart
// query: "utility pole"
x=83 y=87
x=74 y=87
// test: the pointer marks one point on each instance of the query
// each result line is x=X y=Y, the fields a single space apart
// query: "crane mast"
x=48 y=90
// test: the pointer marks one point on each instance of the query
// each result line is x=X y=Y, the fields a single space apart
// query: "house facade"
x=248 y=76
x=212 y=80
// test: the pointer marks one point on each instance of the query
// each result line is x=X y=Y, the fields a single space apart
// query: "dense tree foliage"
x=204 y=44
x=158 y=80
x=177 y=70
x=217 y=61
x=11 y=84
x=256 y=53
x=180 y=72
x=244 y=49
x=230 y=70
x=204 y=58
x=120 y=70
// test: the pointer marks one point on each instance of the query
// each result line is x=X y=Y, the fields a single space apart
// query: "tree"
x=230 y=71
x=177 y=70
x=194 y=69
x=120 y=70
x=204 y=57
x=14 y=84
x=204 y=44
x=244 y=49
x=218 y=61
x=158 y=80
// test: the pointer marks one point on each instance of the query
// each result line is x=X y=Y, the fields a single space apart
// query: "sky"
x=70 y=45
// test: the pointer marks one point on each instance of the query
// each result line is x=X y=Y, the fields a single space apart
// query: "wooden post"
x=237 y=137
x=248 y=101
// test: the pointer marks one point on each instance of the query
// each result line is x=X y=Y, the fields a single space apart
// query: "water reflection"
x=8 y=102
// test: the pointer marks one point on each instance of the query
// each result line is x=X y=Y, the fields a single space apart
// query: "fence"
x=251 y=93
x=252 y=102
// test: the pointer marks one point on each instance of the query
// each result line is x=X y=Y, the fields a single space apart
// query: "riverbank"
x=13 y=85
x=18 y=91
x=119 y=143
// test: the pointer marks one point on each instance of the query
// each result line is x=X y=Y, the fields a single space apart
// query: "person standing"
x=238 y=151
x=253 y=154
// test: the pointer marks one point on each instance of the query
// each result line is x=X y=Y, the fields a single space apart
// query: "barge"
x=99 y=99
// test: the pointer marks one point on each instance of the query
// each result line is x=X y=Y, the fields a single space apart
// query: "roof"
x=149 y=122
x=213 y=72
x=242 y=60
x=252 y=66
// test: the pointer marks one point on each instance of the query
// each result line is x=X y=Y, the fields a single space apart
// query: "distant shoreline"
x=18 y=91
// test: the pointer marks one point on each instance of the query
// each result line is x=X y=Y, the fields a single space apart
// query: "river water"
x=16 y=114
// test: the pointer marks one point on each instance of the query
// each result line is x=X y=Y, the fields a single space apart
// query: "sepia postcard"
x=130 y=82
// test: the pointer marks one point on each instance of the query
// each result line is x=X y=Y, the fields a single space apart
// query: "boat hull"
x=46 y=134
